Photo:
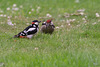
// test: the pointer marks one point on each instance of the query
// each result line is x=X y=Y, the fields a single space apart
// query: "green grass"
x=77 y=45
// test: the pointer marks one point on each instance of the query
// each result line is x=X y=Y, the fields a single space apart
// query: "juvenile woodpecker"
x=47 y=27
x=29 y=31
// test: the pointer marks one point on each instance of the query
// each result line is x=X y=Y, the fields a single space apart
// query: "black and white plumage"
x=29 y=31
x=47 y=27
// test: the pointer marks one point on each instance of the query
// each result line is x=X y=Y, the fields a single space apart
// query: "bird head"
x=48 y=21
x=36 y=22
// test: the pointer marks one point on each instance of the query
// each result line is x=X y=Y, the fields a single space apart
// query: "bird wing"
x=27 y=31
x=28 y=27
x=24 y=32
x=52 y=25
x=31 y=29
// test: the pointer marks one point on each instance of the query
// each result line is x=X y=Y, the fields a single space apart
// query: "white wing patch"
x=34 y=26
x=25 y=31
x=31 y=29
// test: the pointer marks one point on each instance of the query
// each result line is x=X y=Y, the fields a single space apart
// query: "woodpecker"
x=29 y=31
x=47 y=27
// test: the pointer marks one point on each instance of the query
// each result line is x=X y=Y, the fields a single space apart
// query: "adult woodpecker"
x=29 y=31
x=47 y=27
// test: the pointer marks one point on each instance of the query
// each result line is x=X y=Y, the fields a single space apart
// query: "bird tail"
x=15 y=36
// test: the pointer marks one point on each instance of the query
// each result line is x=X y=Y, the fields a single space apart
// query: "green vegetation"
x=74 y=43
